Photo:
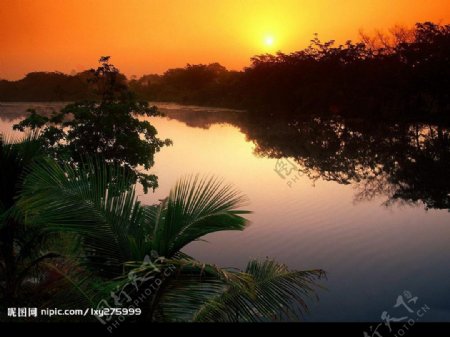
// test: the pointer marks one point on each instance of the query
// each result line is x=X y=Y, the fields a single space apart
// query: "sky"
x=151 y=36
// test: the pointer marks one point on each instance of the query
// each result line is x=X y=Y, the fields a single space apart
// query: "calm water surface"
x=371 y=250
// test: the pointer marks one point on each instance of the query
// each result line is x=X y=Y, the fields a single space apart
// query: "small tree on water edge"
x=109 y=127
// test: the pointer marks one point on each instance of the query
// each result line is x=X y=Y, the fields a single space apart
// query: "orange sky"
x=148 y=36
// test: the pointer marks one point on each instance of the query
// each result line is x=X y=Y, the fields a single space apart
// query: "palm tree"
x=97 y=203
x=23 y=249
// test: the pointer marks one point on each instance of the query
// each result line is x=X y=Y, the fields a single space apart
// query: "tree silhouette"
x=401 y=74
x=109 y=127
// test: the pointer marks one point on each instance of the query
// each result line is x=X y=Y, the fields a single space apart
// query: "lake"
x=369 y=206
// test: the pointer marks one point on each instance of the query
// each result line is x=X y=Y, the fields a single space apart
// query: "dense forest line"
x=403 y=74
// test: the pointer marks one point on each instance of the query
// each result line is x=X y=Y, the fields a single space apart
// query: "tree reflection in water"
x=405 y=161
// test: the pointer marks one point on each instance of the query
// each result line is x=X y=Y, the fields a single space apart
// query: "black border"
x=221 y=329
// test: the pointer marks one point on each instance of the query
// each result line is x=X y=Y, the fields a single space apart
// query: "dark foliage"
x=109 y=127
x=22 y=249
x=404 y=75
x=405 y=79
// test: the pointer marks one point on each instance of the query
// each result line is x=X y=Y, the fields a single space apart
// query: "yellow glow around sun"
x=268 y=30
x=269 y=40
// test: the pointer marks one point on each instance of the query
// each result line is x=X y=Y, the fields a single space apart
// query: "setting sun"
x=37 y=36
x=269 y=40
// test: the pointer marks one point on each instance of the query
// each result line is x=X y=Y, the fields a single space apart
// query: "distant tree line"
x=401 y=74
x=52 y=86
x=404 y=74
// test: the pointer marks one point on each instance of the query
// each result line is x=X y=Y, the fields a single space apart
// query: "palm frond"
x=187 y=284
x=95 y=201
x=15 y=157
x=279 y=294
x=196 y=207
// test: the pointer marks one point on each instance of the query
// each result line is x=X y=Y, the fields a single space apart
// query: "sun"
x=269 y=40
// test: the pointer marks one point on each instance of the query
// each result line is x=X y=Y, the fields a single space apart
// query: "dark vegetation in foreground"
x=404 y=74
x=74 y=235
